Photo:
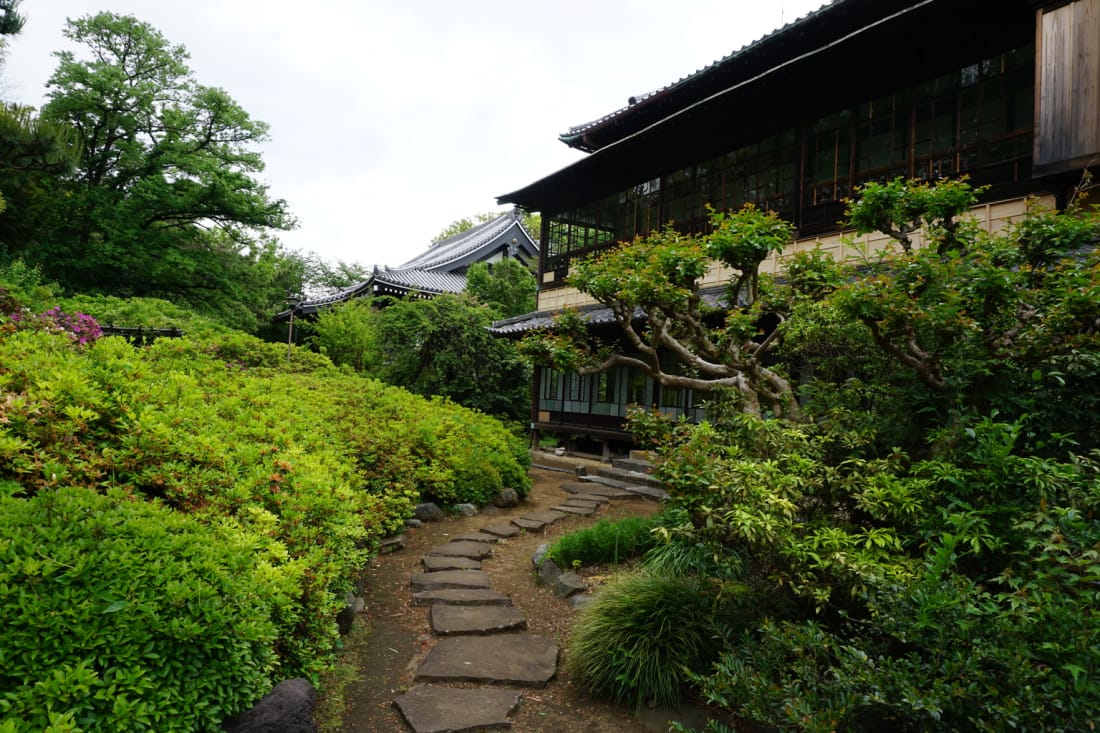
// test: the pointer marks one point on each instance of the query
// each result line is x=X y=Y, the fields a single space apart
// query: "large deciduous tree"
x=165 y=199
x=653 y=287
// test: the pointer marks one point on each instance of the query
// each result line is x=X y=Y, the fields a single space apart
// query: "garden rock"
x=540 y=554
x=346 y=618
x=429 y=511
x=466 y=510
x=286 y=709
x=413 y=523
x=549 y=572
x=568 y=584
x=506 y=498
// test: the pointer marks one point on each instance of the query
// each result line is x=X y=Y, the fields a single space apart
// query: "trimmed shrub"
x=124 y=615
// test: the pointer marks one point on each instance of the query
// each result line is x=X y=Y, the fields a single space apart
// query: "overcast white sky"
x=391 y=119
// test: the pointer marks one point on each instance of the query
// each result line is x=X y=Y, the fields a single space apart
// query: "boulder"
x=466 y=510
x=506 y=498
x=549 y=573
x=286 y=709
x=429 y=511
x=352 y=607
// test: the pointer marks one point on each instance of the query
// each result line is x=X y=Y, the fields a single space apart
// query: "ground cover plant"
x=605 y=542
x=284 y=471
x=916 y=549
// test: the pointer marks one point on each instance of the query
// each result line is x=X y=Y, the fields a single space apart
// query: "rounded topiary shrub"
x=124 y=615
x=633 y=643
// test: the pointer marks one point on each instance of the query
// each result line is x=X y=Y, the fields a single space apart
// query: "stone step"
x=432 y=709
x=502 y=530
x=651 y=492
x=633 y=465
x=453 y=620
x=522 y=660
x=637 y=478
x=475 y=537
x=472 y=550
x=435 y=563
x=575 y=500
x=471 y=579
x=462 y=597
x=594 y=498
x=583 y=511
x=590 y=488
x=538 y=520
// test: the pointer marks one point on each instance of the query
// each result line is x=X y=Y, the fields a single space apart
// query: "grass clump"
x=605 y=542
x=634 y=642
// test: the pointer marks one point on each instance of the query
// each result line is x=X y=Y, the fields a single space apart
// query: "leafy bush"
x=318 y=462
x=605 y=542
x=124 y=615
x=143 y=313
x=642 y=633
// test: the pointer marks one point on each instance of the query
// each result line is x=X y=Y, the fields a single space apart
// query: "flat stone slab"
x=475 y=537
x=453 y=620
x=538 y=520
x=502 y=530
x=609 y=492
x=583 y=511
x=435 y=563
x=462 y=597
x=450 y=579
x=527 y=523
x=573 y=501
x=588 y=497
x=525 y=660
x=636 y=489
x=431 y=709
x=473 y=550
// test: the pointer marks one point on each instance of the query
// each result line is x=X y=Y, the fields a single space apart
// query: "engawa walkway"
x=481 y=657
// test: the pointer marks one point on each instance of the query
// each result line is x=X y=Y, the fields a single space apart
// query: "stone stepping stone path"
x=480 y=636
x=450 y=620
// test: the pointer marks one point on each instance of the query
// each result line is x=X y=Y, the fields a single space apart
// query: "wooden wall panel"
x=1067 y=89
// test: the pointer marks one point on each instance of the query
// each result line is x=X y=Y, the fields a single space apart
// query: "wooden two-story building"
x=1004 y=91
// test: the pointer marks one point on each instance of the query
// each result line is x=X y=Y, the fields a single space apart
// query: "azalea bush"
x=297 y=466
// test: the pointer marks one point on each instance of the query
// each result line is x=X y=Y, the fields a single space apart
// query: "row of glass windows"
x=974 y=119
x=611 y=392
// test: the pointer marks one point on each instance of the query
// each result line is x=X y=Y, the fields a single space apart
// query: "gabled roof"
x=441 y=268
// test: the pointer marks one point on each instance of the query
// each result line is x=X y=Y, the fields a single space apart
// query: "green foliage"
x=345 y=333
x=124 y=615
x=640 y=635
x=164 y=199
x=899 y=208
x=436 y=347
x=507 y=287
x=604 y=542
x=653 y=287
x=921 y=554
x=214 y=429
x=143 y=313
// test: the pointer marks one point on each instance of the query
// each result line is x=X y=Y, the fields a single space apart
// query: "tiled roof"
x=442 y=253
x=425 y=281
x=575 y=136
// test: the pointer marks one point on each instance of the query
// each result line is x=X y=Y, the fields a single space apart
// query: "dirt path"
x=397 y=634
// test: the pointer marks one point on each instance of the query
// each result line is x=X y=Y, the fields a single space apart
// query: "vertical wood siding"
x=1068 y=86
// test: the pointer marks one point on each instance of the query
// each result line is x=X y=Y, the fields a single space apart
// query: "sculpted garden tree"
x=653 y=287
x=164 y=200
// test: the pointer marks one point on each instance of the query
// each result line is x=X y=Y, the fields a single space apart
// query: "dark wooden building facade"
x=1006 y=92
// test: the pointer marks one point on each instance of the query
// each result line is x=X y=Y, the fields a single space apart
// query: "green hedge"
x=125 y=615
